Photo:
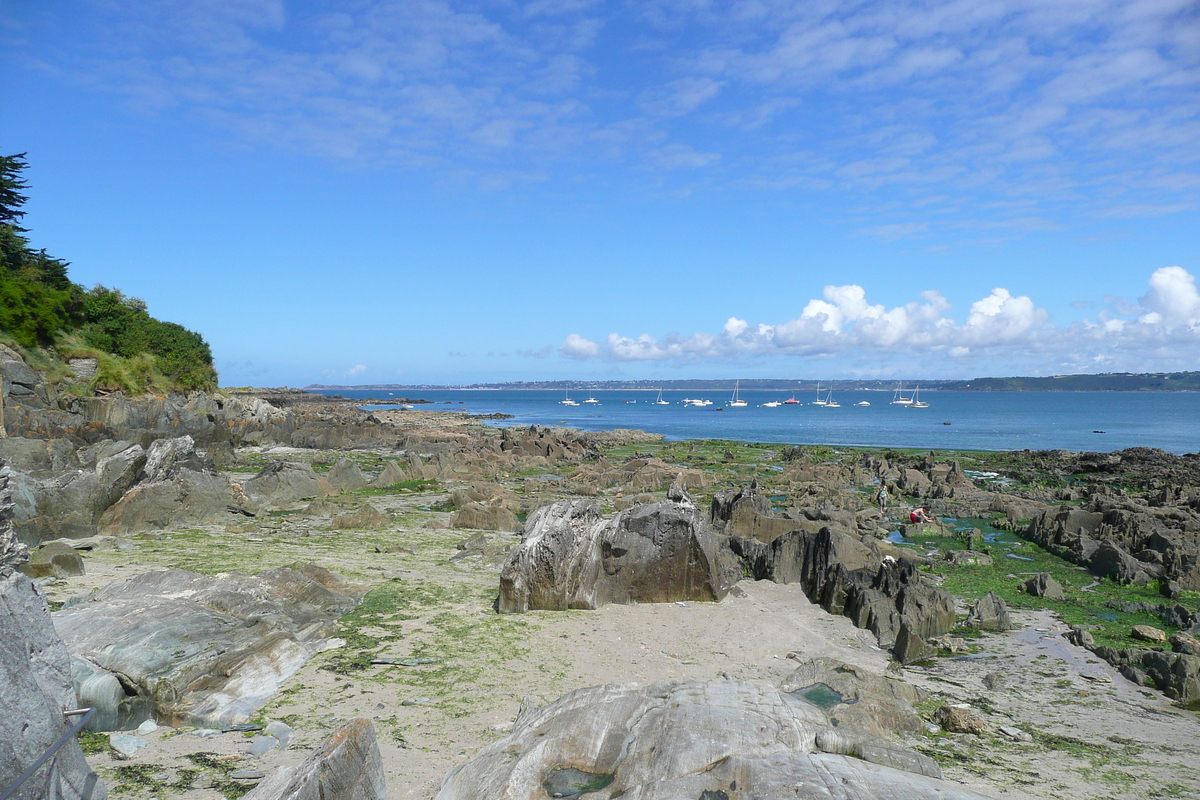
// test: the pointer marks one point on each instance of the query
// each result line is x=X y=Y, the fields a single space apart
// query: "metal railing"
x=83 y=714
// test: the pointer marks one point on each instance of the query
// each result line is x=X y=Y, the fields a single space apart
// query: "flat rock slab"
x=197 y=650
x=676 y=739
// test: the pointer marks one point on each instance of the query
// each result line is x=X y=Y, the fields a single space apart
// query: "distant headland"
x=1103 y=382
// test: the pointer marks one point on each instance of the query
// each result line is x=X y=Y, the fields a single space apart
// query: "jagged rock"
x=284 y=482
x=35 y=671
x=958 y=720
x=960 y=558
x=485 y=517
x=1110 y=561
x=1177 y=675
x=54 y=559
x=639 y=474
x=367 y=518
x=346 y=476
x=746 y=512
x=1148 y=633
x=40 y=456
x=856 y=698
x=346 y=766
x=1182 y=643
x=1125 y=539
x=13 y=552
x=391 y=474
x=687 y=739
x=845 y=577
x=71 y=504
x=1044 y=585
x=1080 y=637
x=194 y=649
x=184 y=497
x=572 y=556
x=910 y=647
x=990 y=613
x=487 y=494
x=20 y=381
x=169 y=456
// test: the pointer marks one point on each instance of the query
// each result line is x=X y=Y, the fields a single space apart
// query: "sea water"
x=1076 y=421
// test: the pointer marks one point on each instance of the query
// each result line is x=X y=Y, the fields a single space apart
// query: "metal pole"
x=75 y=712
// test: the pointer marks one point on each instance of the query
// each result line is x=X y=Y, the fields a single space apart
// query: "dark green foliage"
x=118 y=324
x=38 y=302
x=12 y=187
x=31 y=313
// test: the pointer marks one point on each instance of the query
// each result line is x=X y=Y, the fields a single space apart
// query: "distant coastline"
x=1104 y=382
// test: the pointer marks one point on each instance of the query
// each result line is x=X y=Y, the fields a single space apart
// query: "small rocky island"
x=278 y=595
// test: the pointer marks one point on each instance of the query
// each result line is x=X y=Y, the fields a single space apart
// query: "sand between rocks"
x=1105 y=739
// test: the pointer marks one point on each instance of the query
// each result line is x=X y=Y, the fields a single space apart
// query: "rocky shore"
x=276 y=591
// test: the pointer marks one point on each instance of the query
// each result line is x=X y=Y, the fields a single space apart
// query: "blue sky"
x=375 y=191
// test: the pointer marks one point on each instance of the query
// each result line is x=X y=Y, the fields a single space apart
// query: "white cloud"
x=1172 y=300
x=1165 y=322
x=578 y=348
x=357 y=369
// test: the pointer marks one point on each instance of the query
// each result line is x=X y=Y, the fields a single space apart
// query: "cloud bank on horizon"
x=1163 y=325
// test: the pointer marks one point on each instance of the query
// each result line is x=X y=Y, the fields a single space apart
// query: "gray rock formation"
x=857 y=699
x=71 y=504
x=572 y=556
x=485 y=517
x=13 y=552
x=746 y=512
x=284 y=482
x=638 y=474
x=35 y=673
x=178 y=487
x=19 y=381
x=686 y=739
x=844 y=576
x=346 y=766
x=1127 y=540
x=53 y=559
x=1044 y=585
x=990 y=613
x=367 y=518
x=205 y=651
x=346 y=476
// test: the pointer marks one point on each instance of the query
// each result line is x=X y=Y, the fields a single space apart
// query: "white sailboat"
x=898 y=398
x=660 y=401
x=830 y=402
x=592 y=400
x=915 y=402
x=819 y=401
x=567 y=401
x=737 y=402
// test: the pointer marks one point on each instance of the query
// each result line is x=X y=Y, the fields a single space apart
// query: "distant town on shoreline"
x=1105 y=382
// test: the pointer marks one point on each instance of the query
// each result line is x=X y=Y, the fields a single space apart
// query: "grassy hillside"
x=52 y=319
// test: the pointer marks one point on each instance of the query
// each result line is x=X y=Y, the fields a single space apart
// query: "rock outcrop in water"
x=188 y=649
x=687 y=739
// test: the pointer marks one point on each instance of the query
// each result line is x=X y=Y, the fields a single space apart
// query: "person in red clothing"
x=919 y=515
